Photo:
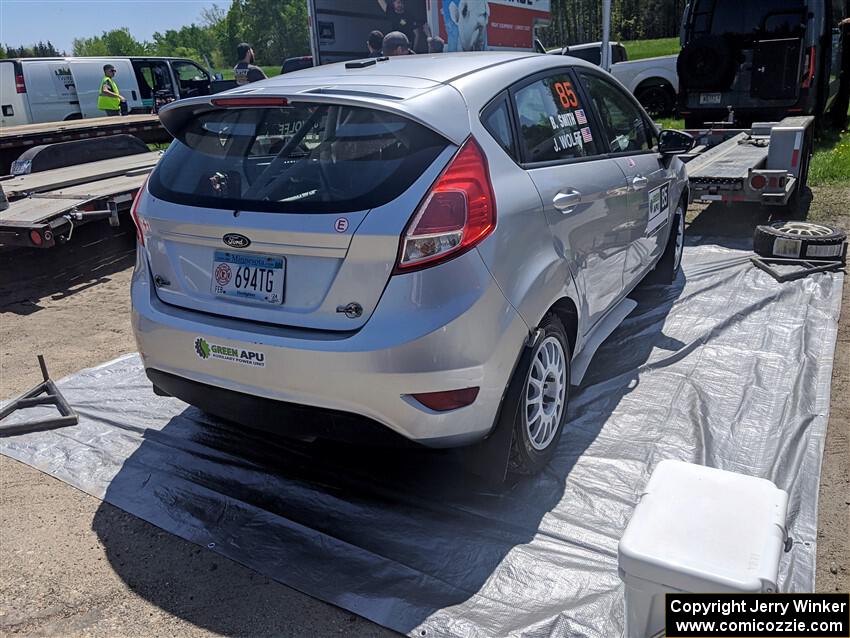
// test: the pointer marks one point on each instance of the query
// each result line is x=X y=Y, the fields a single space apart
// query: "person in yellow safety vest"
x=109 y=99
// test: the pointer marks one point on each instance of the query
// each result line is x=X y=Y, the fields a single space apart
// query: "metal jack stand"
x=808 y=266
x=51 y=396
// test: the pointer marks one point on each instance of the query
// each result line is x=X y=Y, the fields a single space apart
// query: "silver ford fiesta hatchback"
x=397 y=242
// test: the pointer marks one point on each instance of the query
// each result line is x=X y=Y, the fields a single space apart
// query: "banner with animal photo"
x=478 y=25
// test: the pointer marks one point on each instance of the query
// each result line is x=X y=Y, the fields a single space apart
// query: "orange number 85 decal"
x=568 y=97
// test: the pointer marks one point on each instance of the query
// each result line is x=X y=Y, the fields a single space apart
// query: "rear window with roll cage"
x=303 y=158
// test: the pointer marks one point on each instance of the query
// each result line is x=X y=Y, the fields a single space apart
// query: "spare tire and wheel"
x=706 y=63
x=798 y=240
x=657 y=99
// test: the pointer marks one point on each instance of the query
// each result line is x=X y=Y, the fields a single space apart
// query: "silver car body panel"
x=433 y=330
x=460 y=324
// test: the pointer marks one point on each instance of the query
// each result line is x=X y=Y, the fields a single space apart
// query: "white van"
x=58 y=89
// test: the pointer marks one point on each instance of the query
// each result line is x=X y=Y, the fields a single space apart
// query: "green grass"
x=831 y=161
x=669 y=122
x=639 y=49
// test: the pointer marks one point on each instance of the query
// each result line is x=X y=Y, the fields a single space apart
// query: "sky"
x=25 y=22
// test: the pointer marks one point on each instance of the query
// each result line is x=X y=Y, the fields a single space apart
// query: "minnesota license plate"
x=250 y=277
x=709 y=98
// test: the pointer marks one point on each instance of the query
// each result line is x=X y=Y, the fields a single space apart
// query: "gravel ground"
x=57 y=575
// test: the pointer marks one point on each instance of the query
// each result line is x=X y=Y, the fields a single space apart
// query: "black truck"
x=763 y=60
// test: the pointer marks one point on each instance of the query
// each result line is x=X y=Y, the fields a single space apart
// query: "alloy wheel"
x=545 y=393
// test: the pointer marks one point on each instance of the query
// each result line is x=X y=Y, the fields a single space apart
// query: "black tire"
x=668 y=267
x=707 y=63
x=528 y=458
x=798 y=239
x=658 y=100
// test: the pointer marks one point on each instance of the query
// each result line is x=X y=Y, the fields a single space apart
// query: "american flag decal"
x=586 y=135
x=581 y=118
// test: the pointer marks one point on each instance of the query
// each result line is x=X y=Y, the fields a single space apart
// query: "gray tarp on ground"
x=727 y=368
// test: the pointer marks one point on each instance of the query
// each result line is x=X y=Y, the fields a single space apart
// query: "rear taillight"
x=20 y=85
x=456 y=215
x=758 y=182
x=139 y=221
x=448 y=400
x=809 y=68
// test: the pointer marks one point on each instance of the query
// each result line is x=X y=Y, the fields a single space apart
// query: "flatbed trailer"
x=766 y=164
x=14 y=140
x=44 y=208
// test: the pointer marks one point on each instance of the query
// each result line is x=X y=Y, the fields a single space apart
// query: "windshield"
x=774 y=18
x=304 y=158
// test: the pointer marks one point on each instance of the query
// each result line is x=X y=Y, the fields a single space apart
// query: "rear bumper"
x=444 y=328
x=274 y=416
x=743 y=114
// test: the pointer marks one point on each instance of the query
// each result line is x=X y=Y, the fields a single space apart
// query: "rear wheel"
x=542 y=407
x=706 y=64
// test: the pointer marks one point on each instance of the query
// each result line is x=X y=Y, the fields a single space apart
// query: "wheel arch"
x=655 y=80
x=567 y=311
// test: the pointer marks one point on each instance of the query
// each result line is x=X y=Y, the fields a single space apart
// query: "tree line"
x=577 y=21
x=38 y=50
x=277 y=29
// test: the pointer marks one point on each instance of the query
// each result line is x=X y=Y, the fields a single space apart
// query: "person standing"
x=375 y=42
x=405 y=22
x=436 y=45
x=108 y=98
x=245 y=70
x=395 y=43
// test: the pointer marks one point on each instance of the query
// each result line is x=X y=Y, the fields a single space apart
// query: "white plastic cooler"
x=699 y=529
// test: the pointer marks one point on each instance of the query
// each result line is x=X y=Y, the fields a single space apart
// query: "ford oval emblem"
x=235 y=240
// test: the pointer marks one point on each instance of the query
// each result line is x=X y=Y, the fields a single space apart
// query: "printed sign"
x=63 y=81
x=566 y=94
x=478 y=25
x=206 y=350
x=659 y=207
x=570 y=120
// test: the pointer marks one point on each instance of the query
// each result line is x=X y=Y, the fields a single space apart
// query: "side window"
x=619 y=54
x=189 y=72
x=552 y=120
x=590 y=54
x=496 y=120
x=625 y=128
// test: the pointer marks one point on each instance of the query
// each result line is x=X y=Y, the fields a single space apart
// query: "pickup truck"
x=653 y=81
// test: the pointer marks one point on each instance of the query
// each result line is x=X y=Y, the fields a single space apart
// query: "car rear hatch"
x=286 y=211
x=760 y=58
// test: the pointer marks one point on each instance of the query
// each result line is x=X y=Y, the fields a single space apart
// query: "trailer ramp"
x=45 y=207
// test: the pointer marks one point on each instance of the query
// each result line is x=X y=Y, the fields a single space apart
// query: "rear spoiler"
x=420 y=108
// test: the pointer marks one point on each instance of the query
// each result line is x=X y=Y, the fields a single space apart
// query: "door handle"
x=565 y=201
x=639 y=182
x=133 y=93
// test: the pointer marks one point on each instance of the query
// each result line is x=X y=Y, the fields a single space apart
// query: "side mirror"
x=673 y=142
